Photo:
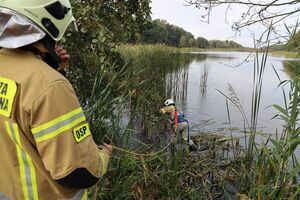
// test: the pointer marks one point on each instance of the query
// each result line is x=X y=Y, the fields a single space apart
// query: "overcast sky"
x=189 y=18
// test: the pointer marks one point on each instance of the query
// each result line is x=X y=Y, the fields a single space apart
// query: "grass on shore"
x=261 y=171
x=285 y=54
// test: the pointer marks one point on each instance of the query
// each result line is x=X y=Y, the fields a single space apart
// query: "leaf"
x=287 y=28
x=280 y=109
x=103 y=39
x=95 y=40
x=294 y=172
x=295 y=141
x=83 y=30
x=102 y=59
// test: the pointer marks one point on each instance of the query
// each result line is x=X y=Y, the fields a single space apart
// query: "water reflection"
x=194 y=81
x=195 y=84
x=160 y=78
x=177 y=79
x=176 y=84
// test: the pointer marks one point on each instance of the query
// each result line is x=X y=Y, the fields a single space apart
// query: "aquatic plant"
x=268 y=170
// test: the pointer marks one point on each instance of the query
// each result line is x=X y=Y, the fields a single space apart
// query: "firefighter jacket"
x=176 y=116
x=171 y=111
x=43 y=131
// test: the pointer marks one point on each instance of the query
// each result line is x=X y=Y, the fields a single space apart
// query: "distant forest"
x=160 y=31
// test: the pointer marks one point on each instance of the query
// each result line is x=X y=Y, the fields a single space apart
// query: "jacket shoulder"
x=32 y=75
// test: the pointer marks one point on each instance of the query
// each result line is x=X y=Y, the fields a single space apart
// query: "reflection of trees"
x=153 y=80
x=179 y=61
x=204 y=78
x=216 y=57
x=176 y=84
x=177 y=74
x=177 y=77
x=196 y=57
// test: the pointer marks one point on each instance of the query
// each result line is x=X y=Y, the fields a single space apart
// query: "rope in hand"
x=135 y=154
x=142 y=154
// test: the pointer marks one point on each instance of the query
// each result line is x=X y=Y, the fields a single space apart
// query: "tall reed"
x=271 y=168
x=125 y=104
x=207 y=175
x=274 y=167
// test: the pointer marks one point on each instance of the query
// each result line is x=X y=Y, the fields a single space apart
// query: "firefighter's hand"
x=63 y=55
x=108 y=147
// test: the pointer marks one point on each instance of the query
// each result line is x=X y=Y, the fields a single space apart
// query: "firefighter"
x=47 y=149
x=179 y=122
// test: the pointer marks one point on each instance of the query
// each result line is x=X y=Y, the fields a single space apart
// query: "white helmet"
x=169 y=102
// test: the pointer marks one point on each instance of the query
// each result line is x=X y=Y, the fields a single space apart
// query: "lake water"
x=195 y=87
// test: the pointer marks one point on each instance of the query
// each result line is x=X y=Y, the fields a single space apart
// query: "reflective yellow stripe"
x=55 y=121
x=58 y=131
x=27 y=171
x=104 y=163
x=58 y=125
x=85 y=196
x=22 y=174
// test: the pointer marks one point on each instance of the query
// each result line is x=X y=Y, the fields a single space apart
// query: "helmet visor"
x=16 y=30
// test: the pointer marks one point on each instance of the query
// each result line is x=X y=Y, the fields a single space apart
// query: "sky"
x=219 y=28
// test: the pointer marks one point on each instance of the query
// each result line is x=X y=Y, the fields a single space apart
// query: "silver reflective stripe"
x=58 y=125
x=3 y=197
x=81 y=195
x=28 y=175
x=27 y=170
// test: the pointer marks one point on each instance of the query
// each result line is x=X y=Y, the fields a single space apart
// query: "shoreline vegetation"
x=165 y=48
x=221 y=169
x=133 y=81
x=286 y=54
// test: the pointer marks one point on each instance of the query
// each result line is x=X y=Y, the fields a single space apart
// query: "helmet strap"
x=50 y=57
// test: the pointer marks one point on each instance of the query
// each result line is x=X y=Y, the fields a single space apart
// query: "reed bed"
x=285 y=54
x=174 y=174
x=221 y=169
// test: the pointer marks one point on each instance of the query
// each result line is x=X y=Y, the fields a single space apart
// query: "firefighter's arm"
x=104 y=154
x=167 y=109
x=82 y=178
x=63 y=138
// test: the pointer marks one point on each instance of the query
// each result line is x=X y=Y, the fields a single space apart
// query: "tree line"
x=291 y=45
x=161 y=32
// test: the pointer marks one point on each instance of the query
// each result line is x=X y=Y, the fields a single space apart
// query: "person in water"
x=179 y=122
